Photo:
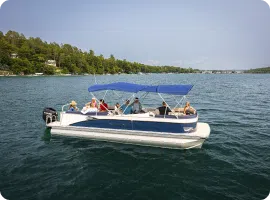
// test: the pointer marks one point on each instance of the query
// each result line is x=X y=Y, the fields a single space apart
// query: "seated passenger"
x=117 y=106
x=73 y=106
x=103 y=107
x=188 y=109
x=164 y=109
x=136 y=106
x=117 y=109
x=126 y=108
x=93 y=103
x=87 y=108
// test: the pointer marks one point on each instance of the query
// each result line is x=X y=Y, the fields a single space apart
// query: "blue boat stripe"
x=138 y=125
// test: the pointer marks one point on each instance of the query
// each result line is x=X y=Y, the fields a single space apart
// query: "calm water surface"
x=234 y=162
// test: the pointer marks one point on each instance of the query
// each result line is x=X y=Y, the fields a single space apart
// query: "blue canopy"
x=134 y=88
x=169 y=89
x=120 y=86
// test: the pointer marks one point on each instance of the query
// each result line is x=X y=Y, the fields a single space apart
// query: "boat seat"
x=178 y=110
x=166 y=116
x=89 y=113
x=179 y=116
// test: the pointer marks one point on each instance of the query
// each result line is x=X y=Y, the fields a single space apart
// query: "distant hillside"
x=265 y=70
x=22 y=55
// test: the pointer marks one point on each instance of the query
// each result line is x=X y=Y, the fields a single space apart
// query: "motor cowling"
x=49 y=115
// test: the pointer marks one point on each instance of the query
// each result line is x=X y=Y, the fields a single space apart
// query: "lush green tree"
x=15 y=38
x=65 y=71
x=25 y=51
x=38 y=67
x=5 y=52
x=1 y=34
x=22 y=65
x=265 y=70
x=33 y=54
x=49 y=70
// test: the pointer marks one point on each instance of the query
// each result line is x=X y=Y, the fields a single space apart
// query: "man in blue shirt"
x=126 y=108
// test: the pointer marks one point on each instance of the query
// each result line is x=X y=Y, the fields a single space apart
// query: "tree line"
x=265 y=70
x=19 y=54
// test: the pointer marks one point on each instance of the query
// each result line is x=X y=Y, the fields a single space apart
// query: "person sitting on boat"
x=117 y=106
x=126 y=108
x=103 y=107
x=117 y=109
x=136 y=106
x=88 y=108
x=73 y=106
x=164 y=109
x=188 y=110
x=93 y=103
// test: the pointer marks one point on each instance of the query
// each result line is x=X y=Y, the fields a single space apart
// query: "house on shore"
x=51 y=63
x=14 y=55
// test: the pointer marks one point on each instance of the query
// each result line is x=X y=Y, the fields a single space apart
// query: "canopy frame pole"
x=118 y=109
x=121 y=97
x=178 y=102
x=167 y=106
x=99 y=102
x=184 y=98
x=143 y=97
x=105 y=107
x=125 y=103
x=105 y=94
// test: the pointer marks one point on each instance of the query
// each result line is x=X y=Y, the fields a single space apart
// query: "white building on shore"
x=51 y=63
x=38 y=74
x=14 y=55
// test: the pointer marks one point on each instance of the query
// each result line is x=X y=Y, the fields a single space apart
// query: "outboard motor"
x=49 y=115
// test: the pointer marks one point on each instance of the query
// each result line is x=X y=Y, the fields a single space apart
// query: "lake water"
x=234 y=162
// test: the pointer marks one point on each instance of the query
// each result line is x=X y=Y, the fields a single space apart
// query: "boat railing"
x=64 y=106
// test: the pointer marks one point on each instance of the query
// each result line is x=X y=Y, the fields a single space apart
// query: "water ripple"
x=234 y=162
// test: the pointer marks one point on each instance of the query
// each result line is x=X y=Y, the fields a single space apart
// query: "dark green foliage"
x=265 y=70
x=49 y=70
x=22 y=65
x=32 y=54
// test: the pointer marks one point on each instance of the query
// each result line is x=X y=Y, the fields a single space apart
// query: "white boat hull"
x=154 y=139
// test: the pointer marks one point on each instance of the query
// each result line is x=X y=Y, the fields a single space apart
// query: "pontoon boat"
x=148 y=128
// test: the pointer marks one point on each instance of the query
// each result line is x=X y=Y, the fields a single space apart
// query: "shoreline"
x=124 y=74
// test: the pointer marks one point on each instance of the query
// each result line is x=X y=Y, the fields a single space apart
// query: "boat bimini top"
x=181 y=90
x=135 y=88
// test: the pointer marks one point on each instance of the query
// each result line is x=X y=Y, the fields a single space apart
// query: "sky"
x=201 y=34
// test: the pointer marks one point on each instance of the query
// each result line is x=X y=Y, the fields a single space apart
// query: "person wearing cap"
x=136 y=106
x=126 y=108
x=73 y=106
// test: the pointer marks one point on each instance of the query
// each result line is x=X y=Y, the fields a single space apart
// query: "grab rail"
x=64 y=106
